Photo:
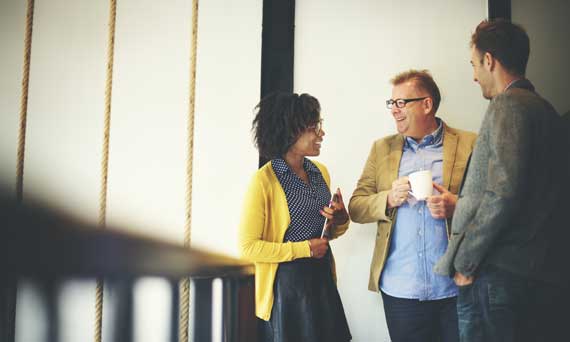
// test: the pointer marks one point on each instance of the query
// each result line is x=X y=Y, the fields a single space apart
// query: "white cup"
x=421 y=184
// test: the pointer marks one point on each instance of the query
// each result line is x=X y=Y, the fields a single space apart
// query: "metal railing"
x=49 y=248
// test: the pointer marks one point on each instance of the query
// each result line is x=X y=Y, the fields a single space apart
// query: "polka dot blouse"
x=304 y=200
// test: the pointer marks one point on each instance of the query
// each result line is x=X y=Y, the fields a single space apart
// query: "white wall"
x=12 y=17
x=229 y=74
x=345 y=54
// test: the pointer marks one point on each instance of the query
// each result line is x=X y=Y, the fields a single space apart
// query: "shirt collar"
x=433 y=138
x=511 y=84
x=520 y=83
x=281 y=167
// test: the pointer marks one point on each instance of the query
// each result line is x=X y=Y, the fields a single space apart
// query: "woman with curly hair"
x=285 y=209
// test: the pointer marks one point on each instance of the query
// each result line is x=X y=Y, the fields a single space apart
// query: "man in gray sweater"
x=508 y=246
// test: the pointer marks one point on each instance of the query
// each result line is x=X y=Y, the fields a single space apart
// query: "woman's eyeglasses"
x=317 y=127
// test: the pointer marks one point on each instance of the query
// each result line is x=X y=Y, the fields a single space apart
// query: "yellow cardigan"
x=264 y=222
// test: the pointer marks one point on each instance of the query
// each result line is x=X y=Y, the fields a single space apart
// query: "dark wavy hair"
x=507 y=42
x=280 y=118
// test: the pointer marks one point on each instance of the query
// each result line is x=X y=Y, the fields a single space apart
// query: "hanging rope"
x=105 y=159
x=24 y=102
x=12 y=295
x=185 y=284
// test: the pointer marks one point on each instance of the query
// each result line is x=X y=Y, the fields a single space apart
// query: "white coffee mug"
x=421 y=184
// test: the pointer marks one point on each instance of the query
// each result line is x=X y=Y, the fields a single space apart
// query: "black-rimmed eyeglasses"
x=401 y=103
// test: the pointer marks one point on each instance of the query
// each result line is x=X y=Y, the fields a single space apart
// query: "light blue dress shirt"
x=418 y=240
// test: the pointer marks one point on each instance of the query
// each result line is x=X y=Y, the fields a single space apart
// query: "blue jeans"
x=411 y=320
x=504 y=307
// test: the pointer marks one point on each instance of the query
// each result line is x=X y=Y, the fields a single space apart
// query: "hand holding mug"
x=398 y=195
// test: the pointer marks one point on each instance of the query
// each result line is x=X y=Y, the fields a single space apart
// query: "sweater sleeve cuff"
x=301 y=249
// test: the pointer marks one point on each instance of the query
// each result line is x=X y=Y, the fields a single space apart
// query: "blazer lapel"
x=396 y=148
x=449 y=154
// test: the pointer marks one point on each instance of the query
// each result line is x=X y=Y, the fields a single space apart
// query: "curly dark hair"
x=280 y=118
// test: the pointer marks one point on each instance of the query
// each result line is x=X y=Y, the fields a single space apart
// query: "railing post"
x=174 y=311
x=247 y=321
x=8 y=293
x=201 y=304
x=229 y=309
x=50 y=294
x=121 y=291
x=238 y=310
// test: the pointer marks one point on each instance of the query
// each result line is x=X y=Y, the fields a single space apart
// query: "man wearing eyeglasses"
x=412 y=235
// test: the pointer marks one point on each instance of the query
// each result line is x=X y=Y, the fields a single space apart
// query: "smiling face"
x=482 y=73
x=308 y=144
x=414 y=119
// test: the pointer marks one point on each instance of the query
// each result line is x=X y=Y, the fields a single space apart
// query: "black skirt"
x=307 y=306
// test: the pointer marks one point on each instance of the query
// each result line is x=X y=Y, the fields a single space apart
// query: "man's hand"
x=443 y=205
x=461 y=280
x=399 y=192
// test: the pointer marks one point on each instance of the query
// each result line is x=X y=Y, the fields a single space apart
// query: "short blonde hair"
x=423 y=80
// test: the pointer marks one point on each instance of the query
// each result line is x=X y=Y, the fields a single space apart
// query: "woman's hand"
x=335 y=213
x=318 y=247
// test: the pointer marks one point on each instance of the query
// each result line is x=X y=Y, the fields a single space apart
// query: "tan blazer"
x=368 y=201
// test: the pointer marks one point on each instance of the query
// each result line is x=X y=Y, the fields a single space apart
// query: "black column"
x=278 y=37
x=277 y=47
x=499 y=9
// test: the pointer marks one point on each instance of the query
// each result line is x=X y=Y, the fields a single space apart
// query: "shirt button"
x=420 y=254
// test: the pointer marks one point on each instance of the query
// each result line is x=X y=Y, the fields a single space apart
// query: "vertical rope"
x=11 y=293
x=105 y=159
x=24 y=102
x=185 y=283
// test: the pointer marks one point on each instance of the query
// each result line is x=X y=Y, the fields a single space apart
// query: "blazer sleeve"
x=367 y=204
x=254 y=222
x=508 y=139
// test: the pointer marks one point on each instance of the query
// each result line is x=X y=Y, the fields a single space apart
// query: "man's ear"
x=427 y=105
x=489 y=61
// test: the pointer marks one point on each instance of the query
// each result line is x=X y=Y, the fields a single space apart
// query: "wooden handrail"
x=40 y=242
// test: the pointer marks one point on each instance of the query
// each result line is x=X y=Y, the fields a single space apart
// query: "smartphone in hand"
x=328 y=232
